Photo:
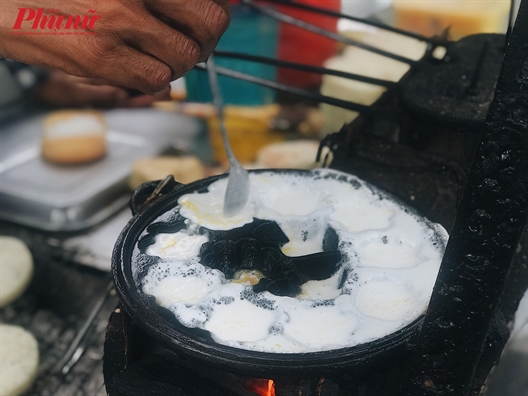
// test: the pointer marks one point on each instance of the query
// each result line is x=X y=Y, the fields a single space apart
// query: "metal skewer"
x=78 y=345
x=307 y=68
x=380 y=25
x=326 y=33
x=286 y=88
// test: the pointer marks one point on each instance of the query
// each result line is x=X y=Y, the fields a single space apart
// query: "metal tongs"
x=237 y=192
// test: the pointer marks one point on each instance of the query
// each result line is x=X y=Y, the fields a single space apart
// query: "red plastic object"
x=299 y=45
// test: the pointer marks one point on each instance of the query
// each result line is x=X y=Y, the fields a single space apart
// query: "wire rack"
x=273 y=13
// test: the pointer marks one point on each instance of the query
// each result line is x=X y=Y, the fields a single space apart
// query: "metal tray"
x=50 y=197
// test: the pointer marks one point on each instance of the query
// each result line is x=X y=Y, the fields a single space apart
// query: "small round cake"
x=19 y=358
x=185 y=169
x=16 y=269
x=297 y=154
x=74 y=136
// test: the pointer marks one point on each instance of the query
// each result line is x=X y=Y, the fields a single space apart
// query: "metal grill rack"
x=279 y=16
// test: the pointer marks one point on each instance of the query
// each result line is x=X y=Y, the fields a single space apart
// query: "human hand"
x=138 y=44
x=61 y=89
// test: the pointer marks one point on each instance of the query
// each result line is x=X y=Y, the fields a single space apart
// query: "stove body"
x=446 y=171
x=135 y=364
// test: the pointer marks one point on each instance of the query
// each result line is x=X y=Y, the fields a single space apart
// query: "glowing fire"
x=262 y=387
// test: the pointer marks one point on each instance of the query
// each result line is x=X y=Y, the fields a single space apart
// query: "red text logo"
x=52 y=21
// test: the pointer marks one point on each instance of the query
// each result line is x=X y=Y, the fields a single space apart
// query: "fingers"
x=203 y=21
x=171 y=47
x=139 y=44
x=61 y=89
x=177 y=34
x=95 y=81
x=144 y=100
x=99 y=95
x=127 y=67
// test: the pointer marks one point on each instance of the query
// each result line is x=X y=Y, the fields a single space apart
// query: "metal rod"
x=491 y=218
x=307 y=68
x=285 y=88
x=510 y=21
x=326 y=33
x=380 y=25
x=77 y=347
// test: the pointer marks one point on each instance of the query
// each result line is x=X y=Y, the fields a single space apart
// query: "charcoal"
x=237 y=233
x=229 y=256
x=330 y=240
x=269 y=257
x=269 y=232
x=283 y=267
x=343 y=279
x=261 y=286
x=286 y=287
x=174 y=224
x=247 y=253
x=317 y=266
x=220 y=255
x=256 y=246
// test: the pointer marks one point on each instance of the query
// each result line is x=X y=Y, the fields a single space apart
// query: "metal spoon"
x=237 y=192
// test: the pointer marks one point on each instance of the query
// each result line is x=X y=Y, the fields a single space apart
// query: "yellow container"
x=464 y=17
x=248 y=130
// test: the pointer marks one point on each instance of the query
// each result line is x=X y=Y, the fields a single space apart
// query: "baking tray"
x=52 y=197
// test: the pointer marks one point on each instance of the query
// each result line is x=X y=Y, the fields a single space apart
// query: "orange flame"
x=262 y=387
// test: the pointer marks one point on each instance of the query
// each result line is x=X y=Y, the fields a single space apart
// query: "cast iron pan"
x=161 y=324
